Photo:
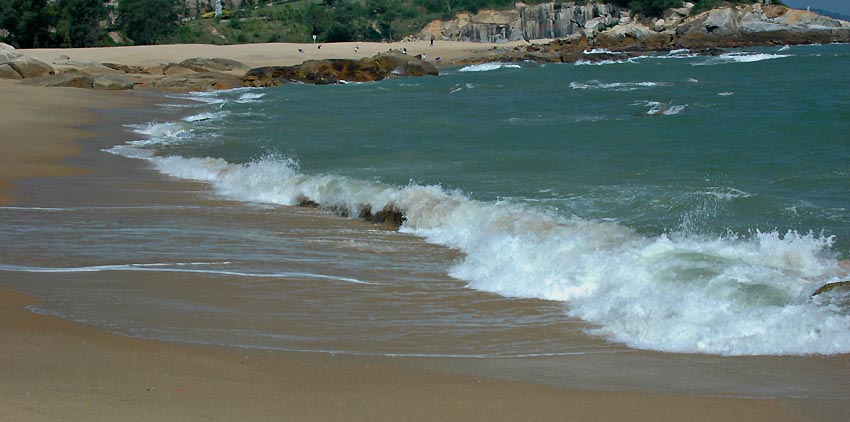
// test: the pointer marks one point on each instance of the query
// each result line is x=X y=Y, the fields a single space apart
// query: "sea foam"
x=678 y=292
x=486 y=67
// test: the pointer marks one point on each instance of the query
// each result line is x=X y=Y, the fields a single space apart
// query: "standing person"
x=432 y=40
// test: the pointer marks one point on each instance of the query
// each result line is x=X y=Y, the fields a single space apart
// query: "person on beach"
x=432 y=40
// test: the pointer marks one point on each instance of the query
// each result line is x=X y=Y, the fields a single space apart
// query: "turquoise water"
x=674 y=202
x=693 y=144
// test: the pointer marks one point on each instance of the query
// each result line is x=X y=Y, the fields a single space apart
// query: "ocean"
x=674 y=212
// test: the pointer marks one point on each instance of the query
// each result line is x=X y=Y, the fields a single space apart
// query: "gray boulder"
x=111 y=82
x=71 y=79
x=202 y=64
x=27 y=67
x=7 y=72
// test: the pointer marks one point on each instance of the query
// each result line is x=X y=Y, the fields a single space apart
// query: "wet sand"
x=59 y=370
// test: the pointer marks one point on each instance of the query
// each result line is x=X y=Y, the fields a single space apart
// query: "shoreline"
x=65 y=370
x=61 y=369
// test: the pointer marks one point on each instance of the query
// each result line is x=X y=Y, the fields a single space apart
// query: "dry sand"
x=52 y=369
x=255 y=55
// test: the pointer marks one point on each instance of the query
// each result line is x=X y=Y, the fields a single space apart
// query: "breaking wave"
x=486 y=67
x=736 y=294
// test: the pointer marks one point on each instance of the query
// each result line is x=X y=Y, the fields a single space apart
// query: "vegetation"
x=147 y=21
x=85 y=23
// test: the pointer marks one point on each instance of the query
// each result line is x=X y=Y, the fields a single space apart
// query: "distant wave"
x=616 y=86
x=486 y=67
x=742 y=57
x=656 y=108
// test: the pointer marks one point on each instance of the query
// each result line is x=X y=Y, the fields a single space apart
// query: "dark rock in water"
x=604 y=57
x=323 y=72
x=389 y=216
x=828 y=287
x=307 y=202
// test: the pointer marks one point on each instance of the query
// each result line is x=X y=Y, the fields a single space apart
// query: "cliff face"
x=547 y=20
x=613 y=25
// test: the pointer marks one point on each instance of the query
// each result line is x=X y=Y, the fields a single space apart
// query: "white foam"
x=657 y=108
x=733 y=295
x=725 y=94
x=742 y=58
x=205 y=116
x=250 y=97
x=581 y=62
x=486 y=67
x=177 y=268
x=615 y=86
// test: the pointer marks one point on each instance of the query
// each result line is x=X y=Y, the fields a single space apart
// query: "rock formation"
x=599 y=26
x=322 y=72
x=18 y=66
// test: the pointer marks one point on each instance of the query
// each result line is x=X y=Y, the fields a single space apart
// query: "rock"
x=176 y=69
x=116 y=37
x=201 y=81
x=63 y=57
x=26 y=67
x=7 y=72
x=323 y=72
x=72 y=79
x=398 y=63
x=200 y=64
x=112 y=82
x=839 y=285
x=389 y=216
x=128 y=69
x=6 y=47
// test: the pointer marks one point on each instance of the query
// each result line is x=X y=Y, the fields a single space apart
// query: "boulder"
x=176 y=69
x=71 y=79
x=201 y=64
x=390 y=216
x=112 y=82
x=6 y=47
x=323 y=72
x=7 y=72
x=127 y=69
x=401 y=64
x=27 y=67
x=201 y=81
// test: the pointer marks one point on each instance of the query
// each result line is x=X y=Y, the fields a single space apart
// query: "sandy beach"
x=271 y=54
x=54 y=369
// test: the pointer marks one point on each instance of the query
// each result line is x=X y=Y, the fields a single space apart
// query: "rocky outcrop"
x=198 y=81
x=111 y=82
x=547 y=20
x=725 y=27
x=23 y=66
x=202 y=64
x=7 y=72
x=322 y=72
x=71 y=79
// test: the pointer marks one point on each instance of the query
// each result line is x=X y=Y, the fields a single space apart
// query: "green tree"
x=29 y=23
x=147 y=21
x=79 y=21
